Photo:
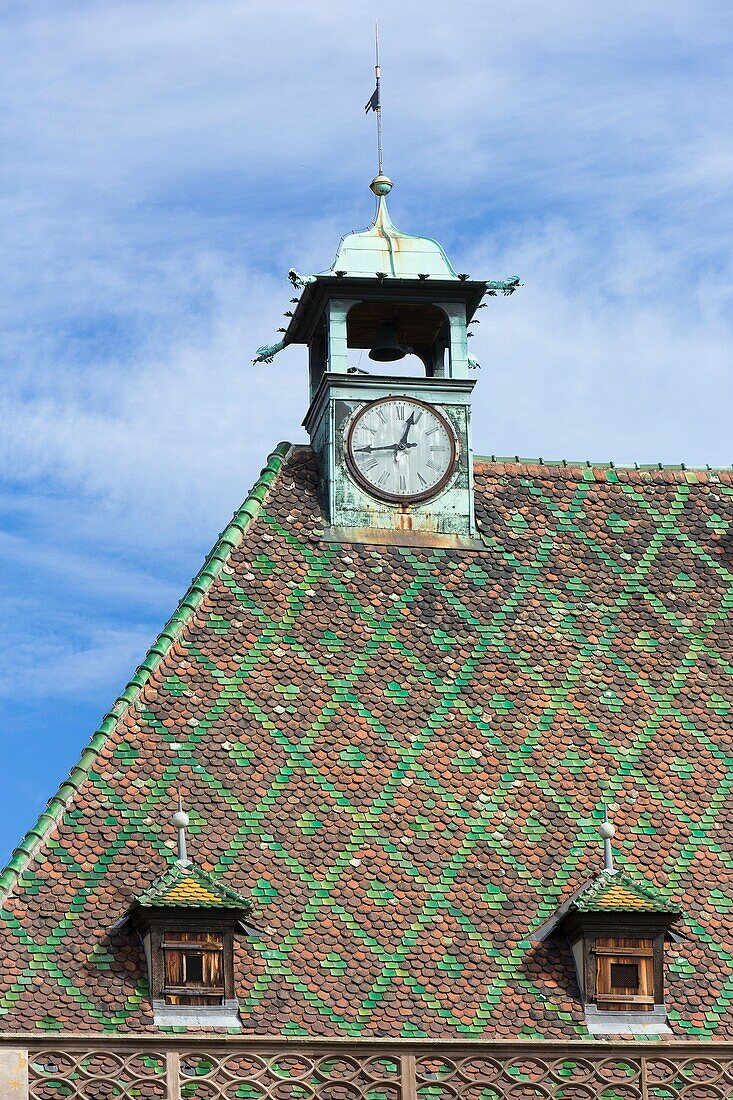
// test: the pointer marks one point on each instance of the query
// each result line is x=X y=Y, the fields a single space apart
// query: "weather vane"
x=374 y=102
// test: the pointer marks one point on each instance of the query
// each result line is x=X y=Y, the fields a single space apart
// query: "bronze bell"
x=387 y=347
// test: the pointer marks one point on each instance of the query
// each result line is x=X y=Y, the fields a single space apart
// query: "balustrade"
x=231 y=1068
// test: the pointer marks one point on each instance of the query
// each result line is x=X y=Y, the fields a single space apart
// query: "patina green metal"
x=506 y=286
x=300 y=281
x=384 y=249
x=380 y=254
x=267 y=353
x=449 y=516
x=377 y=273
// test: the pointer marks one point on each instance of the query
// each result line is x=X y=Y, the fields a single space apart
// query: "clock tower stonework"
x=394 y=451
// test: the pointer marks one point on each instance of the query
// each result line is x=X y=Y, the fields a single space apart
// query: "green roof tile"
x=402 y=756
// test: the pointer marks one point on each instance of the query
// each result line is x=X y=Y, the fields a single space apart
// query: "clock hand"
x=410 y=421
x=391 y=447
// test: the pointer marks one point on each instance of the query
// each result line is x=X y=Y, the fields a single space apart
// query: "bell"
x=387 y=347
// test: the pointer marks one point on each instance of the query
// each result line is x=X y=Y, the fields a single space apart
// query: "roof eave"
x=316 y=294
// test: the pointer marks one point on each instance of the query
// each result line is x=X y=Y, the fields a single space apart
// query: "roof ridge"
x=209 y=571
x=580 y=463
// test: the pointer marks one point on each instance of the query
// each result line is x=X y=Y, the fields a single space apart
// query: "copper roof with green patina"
x=402 y=754
x=383 y=248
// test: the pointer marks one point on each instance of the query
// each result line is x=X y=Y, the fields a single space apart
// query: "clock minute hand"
x=391 y=447
x=410 y=421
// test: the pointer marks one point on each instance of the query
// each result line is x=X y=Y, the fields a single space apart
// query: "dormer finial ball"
x=180 y=819
x=606 y=830
x=381 y=185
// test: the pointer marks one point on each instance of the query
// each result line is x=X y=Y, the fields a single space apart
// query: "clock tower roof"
x=382 y=263
x=383 y=249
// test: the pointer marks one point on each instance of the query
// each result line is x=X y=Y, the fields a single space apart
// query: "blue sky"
x=165 y=163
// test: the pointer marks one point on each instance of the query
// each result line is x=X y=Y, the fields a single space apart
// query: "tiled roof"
x=191 y=888
x=402 y=755
x=621 y=893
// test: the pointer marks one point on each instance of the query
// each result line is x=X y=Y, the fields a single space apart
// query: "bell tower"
x=394 y=452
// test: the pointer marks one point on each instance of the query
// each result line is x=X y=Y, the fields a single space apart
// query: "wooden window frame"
x=641 y=943
x=624 y=950
x=163 y=927
x=186 y=991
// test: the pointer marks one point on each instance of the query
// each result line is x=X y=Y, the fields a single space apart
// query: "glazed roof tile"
x=402 y=754
x=621 y=893
x=609 y=892
x=191 y=888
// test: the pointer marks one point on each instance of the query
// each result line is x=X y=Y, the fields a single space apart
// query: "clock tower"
x=394 y=451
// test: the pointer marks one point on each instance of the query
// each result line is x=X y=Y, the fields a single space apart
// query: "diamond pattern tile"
x=401 y=756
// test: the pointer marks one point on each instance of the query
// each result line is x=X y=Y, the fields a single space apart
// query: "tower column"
x=338 y=308
x=458 y=347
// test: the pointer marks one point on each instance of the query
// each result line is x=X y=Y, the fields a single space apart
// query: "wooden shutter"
x=193 y=968
x=624 y=974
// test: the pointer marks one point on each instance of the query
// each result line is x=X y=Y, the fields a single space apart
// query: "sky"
x=165 y=163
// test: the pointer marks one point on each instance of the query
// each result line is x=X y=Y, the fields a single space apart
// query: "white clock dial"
x=401 y=449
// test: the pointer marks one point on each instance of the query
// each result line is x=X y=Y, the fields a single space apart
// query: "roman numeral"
x=403 y=483
x=442 y=448
x=381 y=415
x=384 y=478
x=371 y=464
x=432 y=465
x=417 y=416
x=433 y=430
x=422 y=479
x=399 y=412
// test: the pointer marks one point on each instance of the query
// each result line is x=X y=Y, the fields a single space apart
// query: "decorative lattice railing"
x=199 y=1069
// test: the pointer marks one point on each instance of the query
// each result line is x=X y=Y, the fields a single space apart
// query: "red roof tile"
x=401 y=755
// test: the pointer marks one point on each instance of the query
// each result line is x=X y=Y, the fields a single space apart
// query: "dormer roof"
x=191 y=888
x=620 y=893
x=610 y=892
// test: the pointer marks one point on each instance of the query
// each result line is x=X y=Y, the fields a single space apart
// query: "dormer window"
x=188 y=922
x=616 y=927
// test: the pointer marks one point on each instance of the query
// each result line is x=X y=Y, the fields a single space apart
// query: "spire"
x=607 y=831
x=180 y=821
x=374 y=103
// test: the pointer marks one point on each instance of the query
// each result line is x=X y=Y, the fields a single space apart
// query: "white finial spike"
x=607 y=832
x=180 y=821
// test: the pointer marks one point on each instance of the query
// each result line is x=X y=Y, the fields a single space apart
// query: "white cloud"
x=51 y=666
x=165 y=163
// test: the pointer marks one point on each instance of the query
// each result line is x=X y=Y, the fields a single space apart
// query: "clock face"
x=400 y=449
